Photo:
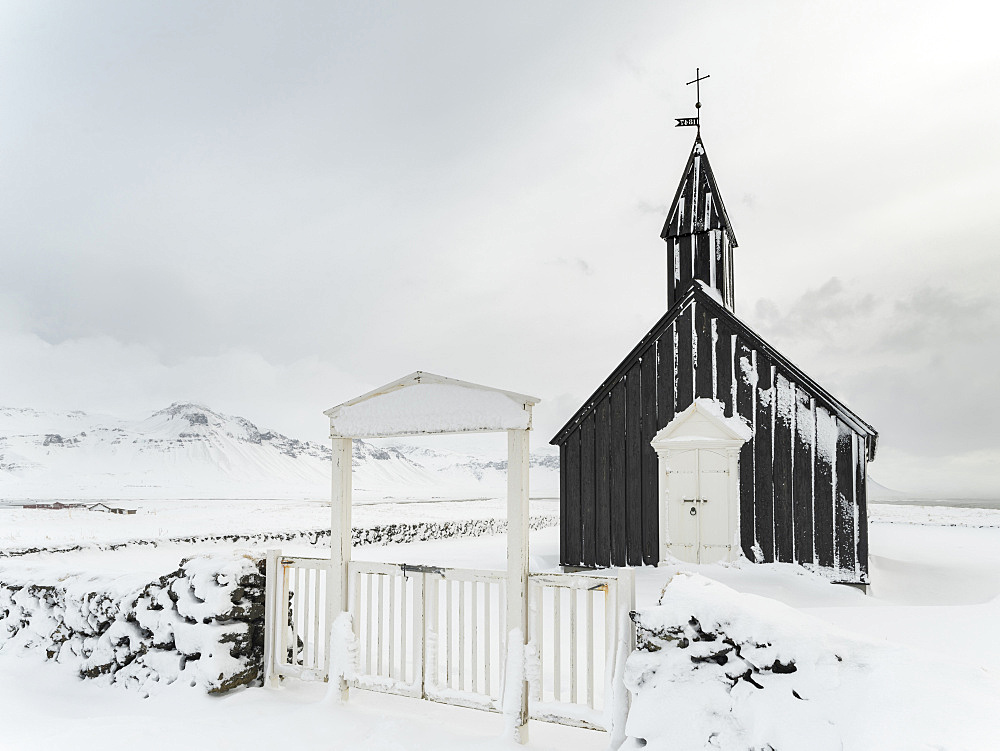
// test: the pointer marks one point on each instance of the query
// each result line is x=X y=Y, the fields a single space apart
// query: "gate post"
x=620 y=698
x=517 y=571
x=424 y=622
x=270 y=677
x=340 y=545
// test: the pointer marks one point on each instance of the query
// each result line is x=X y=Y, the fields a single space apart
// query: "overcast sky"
x=271 y=208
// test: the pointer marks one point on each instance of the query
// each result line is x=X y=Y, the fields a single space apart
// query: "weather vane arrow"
x=695 y=121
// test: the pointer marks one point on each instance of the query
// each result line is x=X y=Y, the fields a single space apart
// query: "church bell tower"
x=699 y=237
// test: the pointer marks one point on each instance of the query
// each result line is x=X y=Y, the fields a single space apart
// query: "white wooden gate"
x=435 y=633
x=296 y=618
x=579 y=624
x=440 y=634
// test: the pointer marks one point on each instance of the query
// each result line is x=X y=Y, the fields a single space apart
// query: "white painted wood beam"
x=340 y=539
x=517 y=557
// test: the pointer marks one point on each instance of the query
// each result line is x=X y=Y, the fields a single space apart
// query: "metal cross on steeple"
x=696 y=121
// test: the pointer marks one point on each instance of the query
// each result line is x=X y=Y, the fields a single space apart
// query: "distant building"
x=53 y=505
x=705 y=442
x=110 y=509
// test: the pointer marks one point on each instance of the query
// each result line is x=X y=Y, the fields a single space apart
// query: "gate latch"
x=408 y=569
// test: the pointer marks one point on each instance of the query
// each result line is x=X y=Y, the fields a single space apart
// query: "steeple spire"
x=699 y=237
x=698 y=78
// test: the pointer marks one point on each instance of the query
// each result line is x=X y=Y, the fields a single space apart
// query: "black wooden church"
x=706 y=442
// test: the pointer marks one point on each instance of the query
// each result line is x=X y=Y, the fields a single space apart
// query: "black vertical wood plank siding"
x=719 y=264
x=861 y=501
x=745 y=385
x=727 y=253
x=704 y=388
x=698 y=186
x=563 y=510
x=602 y=501
x=802 y=477
x=823 y=490
x=784 y=427
x=671 y=291
x=685 y=362
x=686 y=266
x=665 y=375
x=588 y=509
x=844 y=507
x=650 y=462
x=718 y=258
x=574 y=551
x=763 y=475
x=702 y=257
x=745 y=401
x=724 y=368
x=633 y=465
x=618 y=529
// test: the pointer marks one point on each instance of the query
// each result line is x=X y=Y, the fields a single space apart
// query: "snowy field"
x=25 y=528
x=936 y=590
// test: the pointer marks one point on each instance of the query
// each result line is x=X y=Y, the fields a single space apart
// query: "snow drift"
x=724 y=670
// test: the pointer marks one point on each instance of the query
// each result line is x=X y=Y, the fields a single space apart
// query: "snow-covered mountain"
x=190 y=451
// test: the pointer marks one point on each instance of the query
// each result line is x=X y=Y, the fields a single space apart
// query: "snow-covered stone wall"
x=202 y=624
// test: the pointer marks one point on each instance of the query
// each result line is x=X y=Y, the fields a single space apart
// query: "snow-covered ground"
x=936 y=589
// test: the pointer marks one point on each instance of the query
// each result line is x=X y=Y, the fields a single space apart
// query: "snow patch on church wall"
x=785 y=403
x=826 y=437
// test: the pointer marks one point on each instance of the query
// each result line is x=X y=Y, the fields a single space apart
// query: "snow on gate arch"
x=423 y=403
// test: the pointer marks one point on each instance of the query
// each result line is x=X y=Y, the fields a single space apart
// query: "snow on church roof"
x=426 y=403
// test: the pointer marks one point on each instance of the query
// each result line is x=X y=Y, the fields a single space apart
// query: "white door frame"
x=703 y=425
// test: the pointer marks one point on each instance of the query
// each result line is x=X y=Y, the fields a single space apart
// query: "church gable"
x=677 y=348
x=801 y=475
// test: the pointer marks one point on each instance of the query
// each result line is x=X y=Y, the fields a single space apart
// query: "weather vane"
x=696 y=120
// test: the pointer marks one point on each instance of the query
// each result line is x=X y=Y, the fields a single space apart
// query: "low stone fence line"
x=380 y=534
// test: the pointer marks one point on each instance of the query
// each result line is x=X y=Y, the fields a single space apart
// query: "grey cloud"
x=271 y=203
x=648 y=207
x=909 y=363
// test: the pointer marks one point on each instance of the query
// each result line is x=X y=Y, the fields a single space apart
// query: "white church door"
x=698 y=517
x=699 y=484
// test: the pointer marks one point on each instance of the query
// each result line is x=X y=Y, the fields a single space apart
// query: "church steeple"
x=699 y=237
